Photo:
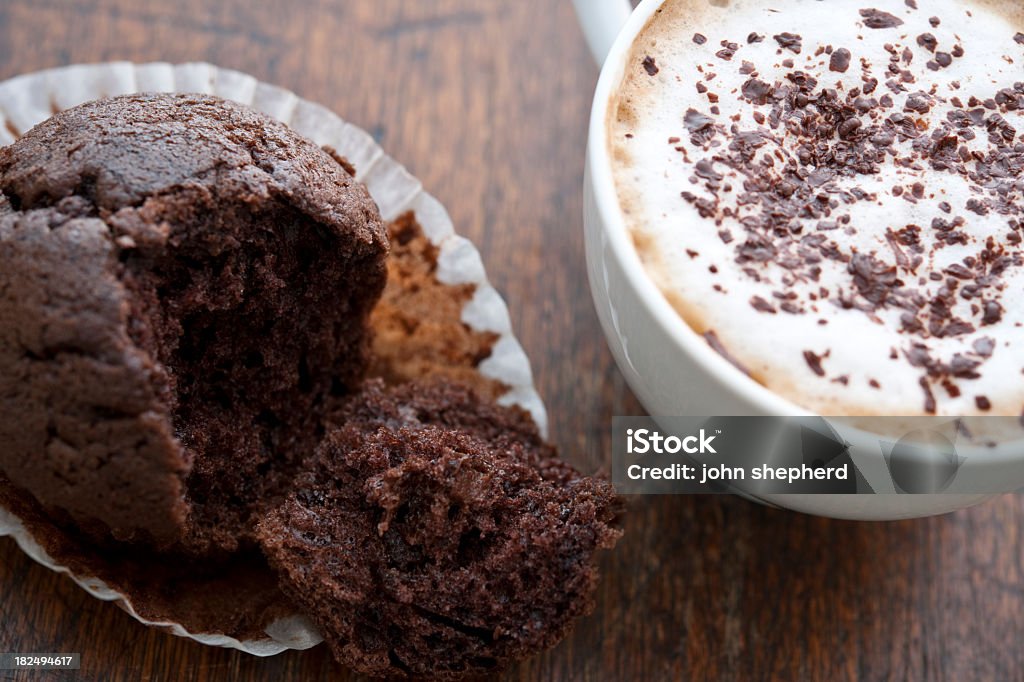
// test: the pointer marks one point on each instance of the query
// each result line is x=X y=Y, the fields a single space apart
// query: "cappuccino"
x=831 y=194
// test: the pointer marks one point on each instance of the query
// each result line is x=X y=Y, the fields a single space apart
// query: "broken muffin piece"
x=185 y=285
x=436 y=536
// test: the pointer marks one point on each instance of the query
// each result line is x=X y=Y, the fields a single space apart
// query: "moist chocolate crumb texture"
x=835 y=201
x=184 y=290
x=436 y=536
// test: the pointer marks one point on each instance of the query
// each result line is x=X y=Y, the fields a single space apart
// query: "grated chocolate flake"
x=794 y=175
x=875 y=18
x=789 y=41
x=840 y=60
x=814 y=362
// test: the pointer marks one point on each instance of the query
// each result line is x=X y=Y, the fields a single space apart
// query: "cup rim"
x=760 y=398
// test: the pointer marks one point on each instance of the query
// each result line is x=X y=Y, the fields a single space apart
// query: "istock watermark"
x=647 y=441
x=814 y=455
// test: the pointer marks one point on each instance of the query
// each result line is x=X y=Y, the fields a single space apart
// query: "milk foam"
x=824 y=356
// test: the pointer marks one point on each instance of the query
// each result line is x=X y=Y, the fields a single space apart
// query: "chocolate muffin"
x=238 y=595
x=184 y=292
x=435 y=536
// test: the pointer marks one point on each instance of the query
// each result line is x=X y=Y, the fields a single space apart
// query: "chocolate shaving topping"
x=874 y=18
x=840 y=60
x=789 y=41
x=874 y=279
x=929 y=398
x=993 y=313
x=814 y=362
x=699 y=38
x=696 y=121
x=783 y=185
x=727 y=51
x=757 y=91
x=716 y=344
x=984 y=346
x=701 y=126
x=763 y=306
x=650 y=66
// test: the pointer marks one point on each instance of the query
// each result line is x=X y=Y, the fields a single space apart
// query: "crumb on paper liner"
x=30 y=99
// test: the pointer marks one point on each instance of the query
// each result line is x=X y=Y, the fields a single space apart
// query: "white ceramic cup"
x=671 y=369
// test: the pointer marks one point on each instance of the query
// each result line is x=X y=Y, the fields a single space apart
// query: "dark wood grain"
x=487 y=102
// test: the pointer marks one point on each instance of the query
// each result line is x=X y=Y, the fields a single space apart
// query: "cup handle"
x=601 y=21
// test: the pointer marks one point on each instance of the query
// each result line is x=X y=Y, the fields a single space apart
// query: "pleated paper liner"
x=439 y=316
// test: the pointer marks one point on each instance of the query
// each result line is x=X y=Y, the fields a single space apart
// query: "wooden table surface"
x=487 y=102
